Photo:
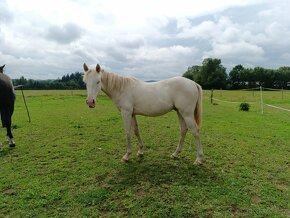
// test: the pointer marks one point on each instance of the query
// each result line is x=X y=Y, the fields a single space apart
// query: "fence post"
x=211 y=96
x=29 y=119
x=261 y=93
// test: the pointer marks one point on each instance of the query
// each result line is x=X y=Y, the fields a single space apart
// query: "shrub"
x=244 y=107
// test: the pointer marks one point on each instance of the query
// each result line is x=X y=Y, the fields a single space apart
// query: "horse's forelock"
x=89 y=72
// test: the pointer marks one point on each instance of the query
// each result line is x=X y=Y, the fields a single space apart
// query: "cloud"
x=243 y=51
x=131 y=42
x=171 y=53
x=277 y=34
x=205 y=30
x=286 y=56
x=147 y=39
x=67 y=33
x=6 y=15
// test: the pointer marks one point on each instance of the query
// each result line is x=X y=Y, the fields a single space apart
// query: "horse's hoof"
x=140 y=154
x=197 y=162
x=125 y=160
x=174 y=157
x=12 y=145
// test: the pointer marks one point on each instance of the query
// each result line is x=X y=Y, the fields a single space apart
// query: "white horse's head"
x=92 y=79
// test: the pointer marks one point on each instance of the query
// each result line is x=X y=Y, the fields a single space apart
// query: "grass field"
x=67 y=162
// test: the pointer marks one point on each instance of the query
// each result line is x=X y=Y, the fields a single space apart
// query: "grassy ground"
x=67 y=162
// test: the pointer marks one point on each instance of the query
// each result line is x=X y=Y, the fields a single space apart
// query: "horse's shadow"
x=180 y=172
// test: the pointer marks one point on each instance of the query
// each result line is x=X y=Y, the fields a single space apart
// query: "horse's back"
x=7 y=95
x=182 y=83
x=5 y=83
x=183 y=88
x=160 y=97
x=179 y=87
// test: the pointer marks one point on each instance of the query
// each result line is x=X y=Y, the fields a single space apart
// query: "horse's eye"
x=98 y=82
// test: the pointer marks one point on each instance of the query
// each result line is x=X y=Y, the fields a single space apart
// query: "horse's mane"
x=116 y=82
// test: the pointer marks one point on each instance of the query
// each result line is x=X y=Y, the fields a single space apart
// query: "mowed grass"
x=67 y=162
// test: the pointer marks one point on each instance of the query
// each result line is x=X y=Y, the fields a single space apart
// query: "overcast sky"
x=152 y=39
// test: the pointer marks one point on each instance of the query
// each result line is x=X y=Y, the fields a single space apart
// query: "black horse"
x=7 y=100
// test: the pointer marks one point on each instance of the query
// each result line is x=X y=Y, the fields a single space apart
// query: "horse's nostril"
x=93 y=101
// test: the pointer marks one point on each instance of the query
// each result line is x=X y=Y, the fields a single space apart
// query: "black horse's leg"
x=1 y=147
x=9 y=133
x=6 y=122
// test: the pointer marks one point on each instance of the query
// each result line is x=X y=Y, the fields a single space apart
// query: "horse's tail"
x=198 y=107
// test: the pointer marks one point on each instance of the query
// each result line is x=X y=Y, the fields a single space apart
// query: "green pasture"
x=67 y=161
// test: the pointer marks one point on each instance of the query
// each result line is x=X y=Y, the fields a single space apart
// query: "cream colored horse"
x=134 y=97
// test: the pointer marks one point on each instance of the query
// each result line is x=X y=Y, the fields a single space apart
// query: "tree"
x=193 y=73
x=259 y=76
x=283 y=77
x=235 y=77
x=213 y=74
x=69 y=81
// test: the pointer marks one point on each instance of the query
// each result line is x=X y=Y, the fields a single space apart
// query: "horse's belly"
x=152 y=109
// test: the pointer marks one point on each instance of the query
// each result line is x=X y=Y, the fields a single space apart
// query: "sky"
x=150 y=40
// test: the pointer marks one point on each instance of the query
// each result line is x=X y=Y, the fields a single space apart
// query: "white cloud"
x=67 y=33
x=286 y=56
x=165 y=54
x=243 y=51
x=278 y=34
x=205 y=30
x=148 y=39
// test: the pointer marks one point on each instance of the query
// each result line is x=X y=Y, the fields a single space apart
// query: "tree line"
x=69 y=81
x=212 y=75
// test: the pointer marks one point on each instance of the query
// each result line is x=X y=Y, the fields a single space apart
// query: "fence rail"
x=260 y=101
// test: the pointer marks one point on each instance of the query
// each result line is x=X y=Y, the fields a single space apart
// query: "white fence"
x=261 y=99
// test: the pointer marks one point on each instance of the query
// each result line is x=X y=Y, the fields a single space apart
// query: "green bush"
x=244 y=107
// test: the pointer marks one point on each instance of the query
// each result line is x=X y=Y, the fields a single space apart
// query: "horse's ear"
x=85 y=67
x=1 y=68
x=98 y=68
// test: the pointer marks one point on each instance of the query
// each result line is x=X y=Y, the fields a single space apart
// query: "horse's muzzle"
x=91 y=103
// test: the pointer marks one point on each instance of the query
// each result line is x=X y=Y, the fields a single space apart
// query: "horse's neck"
x=111 y=84
x=114 y=85
x=105 y=84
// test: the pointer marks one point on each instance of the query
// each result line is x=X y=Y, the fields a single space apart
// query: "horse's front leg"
x=127 y=118
x=136 y=131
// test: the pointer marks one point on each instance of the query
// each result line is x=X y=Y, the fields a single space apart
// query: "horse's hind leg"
x=10 y=137
x=9 y=133
x=1 y=147
x=136 y=131
x=191 y=124
x=183 y=131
